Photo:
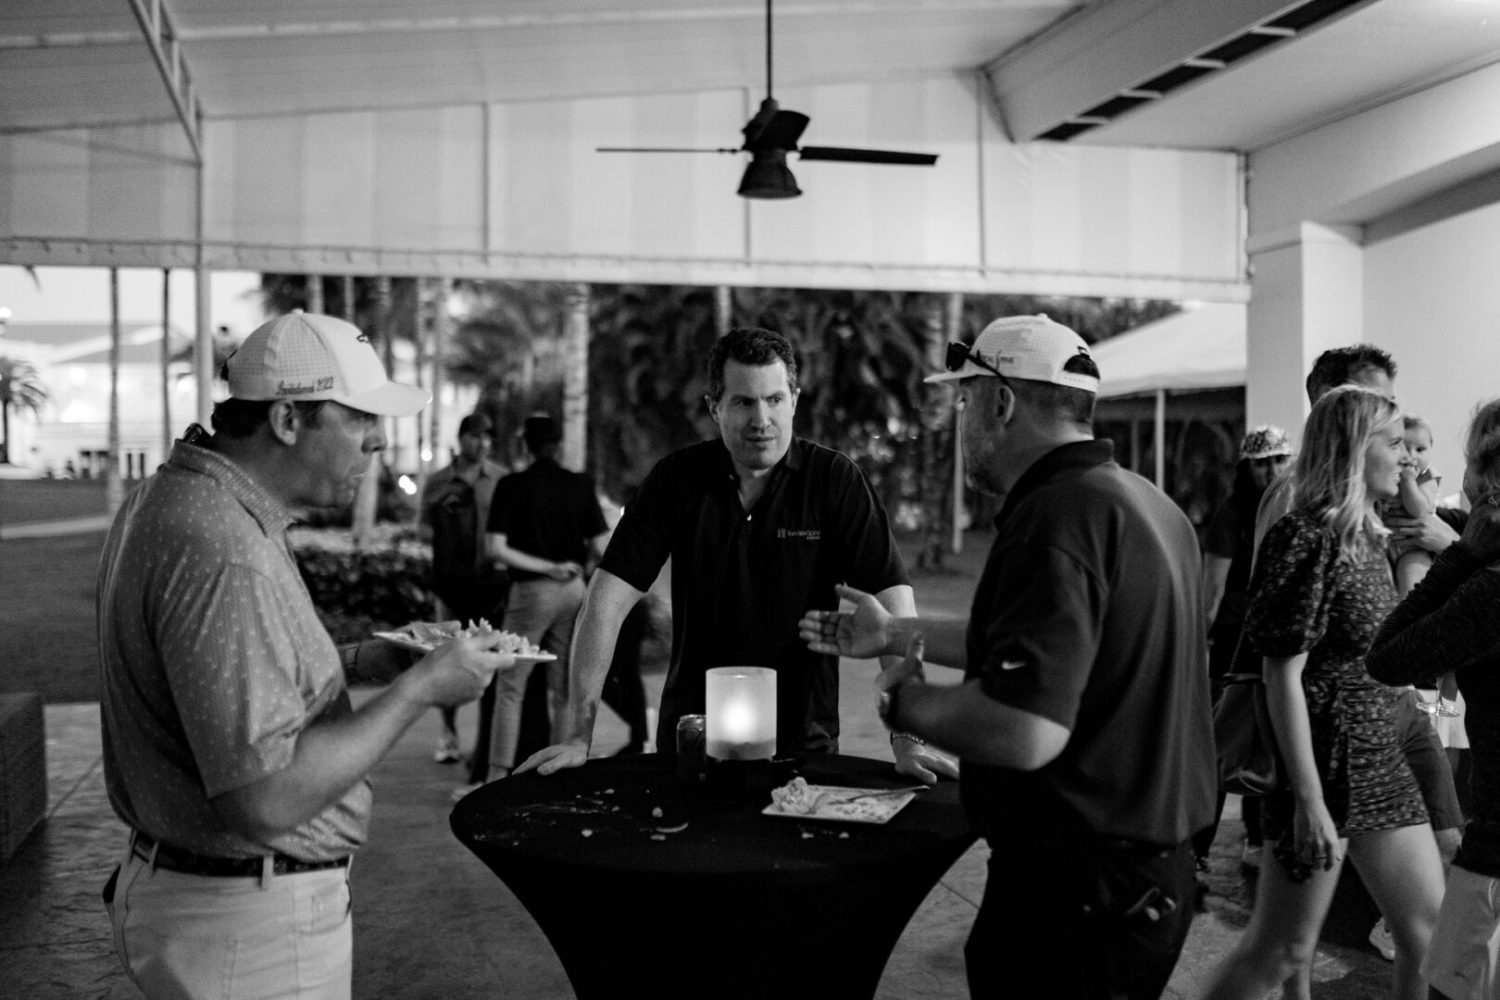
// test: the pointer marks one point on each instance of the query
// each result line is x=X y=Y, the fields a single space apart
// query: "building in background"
x=70 y=434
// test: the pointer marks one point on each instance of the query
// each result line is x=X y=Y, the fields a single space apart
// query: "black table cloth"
x=648 y=887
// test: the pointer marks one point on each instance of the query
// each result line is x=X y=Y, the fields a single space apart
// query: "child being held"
x=1417 y=498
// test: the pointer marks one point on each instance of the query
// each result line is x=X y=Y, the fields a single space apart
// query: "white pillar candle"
x=741 y=710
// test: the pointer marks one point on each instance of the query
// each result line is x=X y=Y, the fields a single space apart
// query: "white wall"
x=1432 y=298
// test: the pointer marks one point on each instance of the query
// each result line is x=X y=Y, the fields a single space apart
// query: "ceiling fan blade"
x=843 y=155
x=661 y=149
x=778 y=130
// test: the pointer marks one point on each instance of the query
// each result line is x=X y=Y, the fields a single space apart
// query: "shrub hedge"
x=359 y=591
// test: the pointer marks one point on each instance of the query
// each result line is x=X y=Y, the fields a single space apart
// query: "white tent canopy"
x=1201 y=348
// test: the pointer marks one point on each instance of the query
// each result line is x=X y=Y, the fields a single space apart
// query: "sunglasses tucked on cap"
x=1024 y=347
x=308 y=356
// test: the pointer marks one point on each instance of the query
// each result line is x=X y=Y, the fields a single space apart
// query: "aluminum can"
x=692 y=737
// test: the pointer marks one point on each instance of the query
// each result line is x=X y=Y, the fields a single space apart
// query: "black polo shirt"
x=741 y=580
x=546 y=511
x=1088 y=614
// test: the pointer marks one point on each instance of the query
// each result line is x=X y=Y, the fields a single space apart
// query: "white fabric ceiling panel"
x=399 y=180
x=429 y=178
x=360 y=187
x=661 y=205
x=129 y=184
x=338 y=178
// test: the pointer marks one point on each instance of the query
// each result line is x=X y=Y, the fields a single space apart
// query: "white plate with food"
x=424 y=637
x=799 y=800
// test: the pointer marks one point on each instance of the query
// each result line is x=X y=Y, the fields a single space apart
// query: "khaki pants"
x=194 y=936
x=544 y=612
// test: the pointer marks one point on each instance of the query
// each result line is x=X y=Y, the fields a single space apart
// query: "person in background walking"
x=546 y=527
x=465 y=582
x=1369 y=366
x=1320 y=589
x=1228 y=551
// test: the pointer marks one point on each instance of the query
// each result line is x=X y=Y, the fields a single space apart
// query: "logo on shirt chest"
x=804 y=534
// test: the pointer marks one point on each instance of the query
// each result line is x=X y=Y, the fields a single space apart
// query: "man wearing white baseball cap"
x=1082 y=725
x=231 y=748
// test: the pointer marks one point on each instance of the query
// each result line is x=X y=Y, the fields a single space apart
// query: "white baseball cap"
x=1025 y=347
x=308 y=356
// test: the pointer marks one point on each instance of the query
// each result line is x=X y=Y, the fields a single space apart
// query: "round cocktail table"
x=648 y=887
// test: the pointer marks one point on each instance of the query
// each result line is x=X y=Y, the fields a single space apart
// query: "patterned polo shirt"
x=213 y=660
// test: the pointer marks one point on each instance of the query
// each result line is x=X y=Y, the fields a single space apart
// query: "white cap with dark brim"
x=310 y=357
x=1027 y=347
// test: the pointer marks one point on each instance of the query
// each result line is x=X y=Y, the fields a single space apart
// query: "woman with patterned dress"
x=1450 y=622
x=1321 y=588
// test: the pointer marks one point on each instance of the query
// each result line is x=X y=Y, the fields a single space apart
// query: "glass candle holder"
x=741 y=710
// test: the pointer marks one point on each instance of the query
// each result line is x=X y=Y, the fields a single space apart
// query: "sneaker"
x=459 y=793
x=447 y=751
x=1250 y=856
x=1380 y=937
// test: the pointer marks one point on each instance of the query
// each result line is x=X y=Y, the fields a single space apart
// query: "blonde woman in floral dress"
x=1321 y=590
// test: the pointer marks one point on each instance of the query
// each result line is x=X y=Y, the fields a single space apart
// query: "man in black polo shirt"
x=760 y=526
x=1083 y=723
x=545 y=525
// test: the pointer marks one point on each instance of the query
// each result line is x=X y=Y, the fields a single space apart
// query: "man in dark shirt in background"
x=545 y=526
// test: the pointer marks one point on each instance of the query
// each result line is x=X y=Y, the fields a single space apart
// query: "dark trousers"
x=1249 y=812
x=1068 y=924
x=536 y=725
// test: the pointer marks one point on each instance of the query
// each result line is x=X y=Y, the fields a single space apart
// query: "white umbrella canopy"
x=1199 y=349
x=1202 y=347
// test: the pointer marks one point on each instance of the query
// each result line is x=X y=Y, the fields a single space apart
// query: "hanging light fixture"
x=768 y=176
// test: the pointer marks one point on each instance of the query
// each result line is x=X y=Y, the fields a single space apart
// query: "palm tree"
x=510 y=347
x=646 y=377
x=20 y=387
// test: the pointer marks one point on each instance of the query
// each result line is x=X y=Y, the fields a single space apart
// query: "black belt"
x=178 y=860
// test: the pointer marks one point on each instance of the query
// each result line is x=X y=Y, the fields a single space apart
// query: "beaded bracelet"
x=912 y=737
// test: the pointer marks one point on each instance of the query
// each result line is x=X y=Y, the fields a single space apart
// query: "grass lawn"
x=24 y=501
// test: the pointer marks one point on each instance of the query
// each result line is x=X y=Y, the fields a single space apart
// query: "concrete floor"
x=432 y=922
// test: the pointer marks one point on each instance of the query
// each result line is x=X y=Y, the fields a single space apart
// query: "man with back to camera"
x=759 y=526
x=1083 y=722
x=544 y=526
x=465 y=583
x=1373 y=368
x=231 y=748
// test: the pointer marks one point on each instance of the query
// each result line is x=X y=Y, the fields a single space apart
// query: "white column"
x=114 y=489
x=1306 y=295
x=1159 y=439
x=166 y=362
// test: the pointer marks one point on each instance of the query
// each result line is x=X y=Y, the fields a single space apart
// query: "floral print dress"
x=1309 y=599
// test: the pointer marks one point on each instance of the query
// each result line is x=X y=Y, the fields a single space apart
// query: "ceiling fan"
x=772 y=134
